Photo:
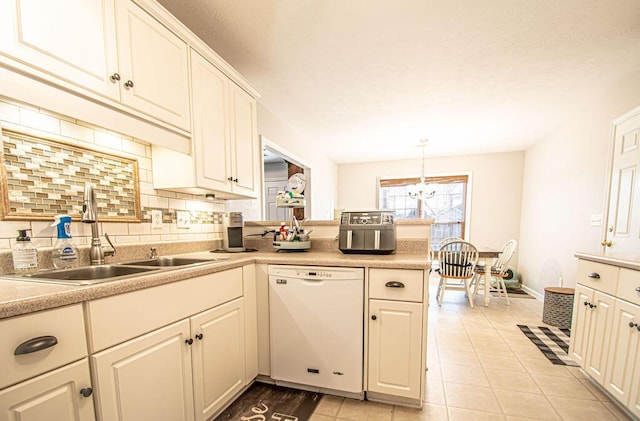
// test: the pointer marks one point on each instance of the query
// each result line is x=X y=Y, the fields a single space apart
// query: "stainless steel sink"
x=87 y=275
x=169 y=261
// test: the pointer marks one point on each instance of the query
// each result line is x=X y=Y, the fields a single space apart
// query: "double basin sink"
x=89 y=275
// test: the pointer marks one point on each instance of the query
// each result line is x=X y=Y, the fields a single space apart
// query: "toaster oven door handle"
x=349 y=238
x=376 y=240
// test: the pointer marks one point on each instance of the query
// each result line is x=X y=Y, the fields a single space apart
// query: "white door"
x=210 y=124
x=51 y=396
x=271 y=188
x=147 y=378
x=154 y=66
x=623 y=220
x=245 y=142
x=580 y=324
x=599 y=334
x=623 y=350
x=395 y=342
x=66 y=39
x=218 y=356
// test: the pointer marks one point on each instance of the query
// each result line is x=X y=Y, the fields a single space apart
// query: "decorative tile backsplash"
x=42 y=178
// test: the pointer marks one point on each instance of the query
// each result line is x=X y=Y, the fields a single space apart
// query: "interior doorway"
x=278 y=166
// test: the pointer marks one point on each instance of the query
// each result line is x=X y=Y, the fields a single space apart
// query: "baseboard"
x=533 y=293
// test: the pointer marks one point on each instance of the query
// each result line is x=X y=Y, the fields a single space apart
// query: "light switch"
x=184 y=219
x=596 y=220
x=156 y=219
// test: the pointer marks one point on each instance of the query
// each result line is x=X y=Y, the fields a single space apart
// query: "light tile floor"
x=481 y=367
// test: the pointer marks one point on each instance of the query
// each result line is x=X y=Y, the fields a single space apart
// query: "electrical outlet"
x=184 y=219
x=596 y=220
x=156 y=219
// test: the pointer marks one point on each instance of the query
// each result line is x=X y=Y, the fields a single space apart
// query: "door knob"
x=374 y=317
x=188 y=341
x=86 y=392
x=128 y=84
x=199 y=336
x=114 y=77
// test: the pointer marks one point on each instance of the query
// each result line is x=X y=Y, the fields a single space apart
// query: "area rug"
x=513 y=292
x=552 y=342
x=270 y=402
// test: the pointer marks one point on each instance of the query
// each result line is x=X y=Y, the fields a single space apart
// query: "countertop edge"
x=629 y=261
x=58 y=295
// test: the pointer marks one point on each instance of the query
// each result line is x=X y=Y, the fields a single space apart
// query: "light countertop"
x=22 y=297
x=624 y=260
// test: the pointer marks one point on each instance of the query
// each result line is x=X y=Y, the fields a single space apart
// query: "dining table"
x=486 y=256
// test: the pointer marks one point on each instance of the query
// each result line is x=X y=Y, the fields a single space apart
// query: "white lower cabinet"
x=62 y=394
x=623 y=369
x=395 y=341
x=147 y=378
x=218 y=357
x=605 y=332
x=182 y=372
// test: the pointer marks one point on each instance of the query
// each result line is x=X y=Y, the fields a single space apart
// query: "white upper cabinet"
x=225 y=156
x=153 y=66
x=112 y=48
x=66 y=39
x=245 y=162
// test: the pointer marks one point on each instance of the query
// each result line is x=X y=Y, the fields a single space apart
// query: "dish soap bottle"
x=65 y=253
x=25 y=254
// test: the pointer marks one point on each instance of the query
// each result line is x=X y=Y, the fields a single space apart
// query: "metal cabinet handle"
x=638 y=289
x=230 y=178
x=394 y=284
x=35 y=345
x=114 y=77
x=374 y=317
x=586 y=303
x=128 y=84
x=632 y=325
x=606 y=243
x=199 y=336
x=235 y=180
x=594 y=275
x=592 y=305
x=188 y=341
x=86 y=392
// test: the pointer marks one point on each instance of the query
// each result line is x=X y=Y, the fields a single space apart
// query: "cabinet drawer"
x=598 y=276
x=629 y=285
x=113 y=320
x=396 y=284
x=65 y=324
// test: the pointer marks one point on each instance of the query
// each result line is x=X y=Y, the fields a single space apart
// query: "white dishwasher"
x=316 y=321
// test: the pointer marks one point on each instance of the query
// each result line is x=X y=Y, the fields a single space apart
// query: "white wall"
x=565 y=178
x=495 y=195
x=323 y=179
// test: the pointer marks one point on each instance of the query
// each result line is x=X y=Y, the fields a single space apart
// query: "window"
x=447 y=207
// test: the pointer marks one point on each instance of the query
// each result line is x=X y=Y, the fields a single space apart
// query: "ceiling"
x=369 y=79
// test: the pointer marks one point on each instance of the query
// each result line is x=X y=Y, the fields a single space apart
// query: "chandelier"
x=421 y=190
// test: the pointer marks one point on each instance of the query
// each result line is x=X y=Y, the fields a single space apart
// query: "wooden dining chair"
x=498 y=270
x=434 y=253
x=458 y=260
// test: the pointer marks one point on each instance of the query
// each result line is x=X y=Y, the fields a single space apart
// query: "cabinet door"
x=218 y=356
x=599 y=334
x=395 y=343
x=65 y=39
x=51 y=396
x=245 y=142
x=623 y=350
x=634 y=397
x=210 y=124
x=580 y=324
x=147 y=378
x=155 y=61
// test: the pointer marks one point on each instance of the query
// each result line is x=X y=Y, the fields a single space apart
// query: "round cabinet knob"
x=188 y=341
x=230 y=178
x=128 y=84
x=632 y=325
x=114 y=77
x=235 y=180
x=86 y=392
x=586 y=303
x=199 y=336
x=374 y=317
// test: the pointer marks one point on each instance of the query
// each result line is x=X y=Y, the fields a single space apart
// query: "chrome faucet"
x=90 y=216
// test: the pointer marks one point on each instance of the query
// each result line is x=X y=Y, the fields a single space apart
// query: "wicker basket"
x=558 y=307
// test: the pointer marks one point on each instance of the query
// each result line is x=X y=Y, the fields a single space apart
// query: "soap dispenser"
x=65 y=253
x=25 y=254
